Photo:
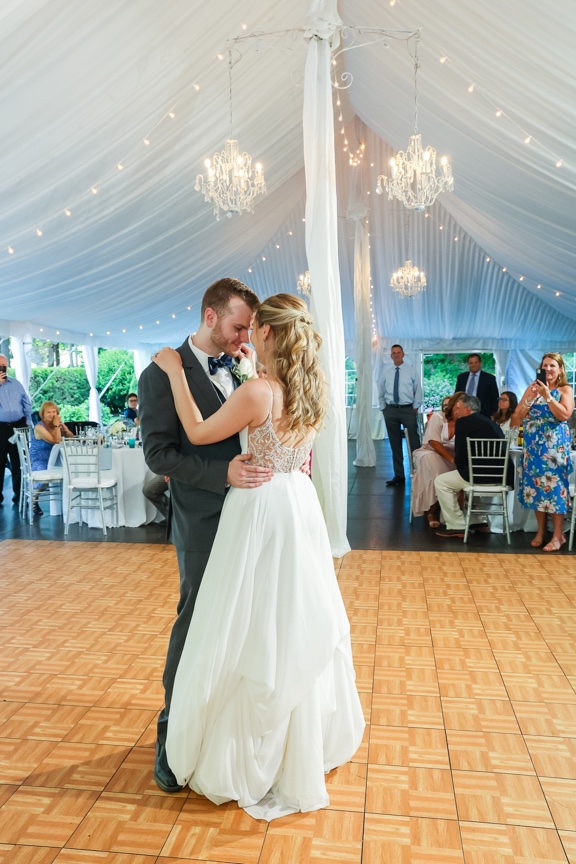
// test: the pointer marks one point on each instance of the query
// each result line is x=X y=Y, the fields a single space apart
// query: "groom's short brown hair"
x=219 y=294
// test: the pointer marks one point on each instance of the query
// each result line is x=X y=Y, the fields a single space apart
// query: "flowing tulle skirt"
x=265 y=700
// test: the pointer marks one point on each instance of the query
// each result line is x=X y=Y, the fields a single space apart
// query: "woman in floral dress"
x=546 y=460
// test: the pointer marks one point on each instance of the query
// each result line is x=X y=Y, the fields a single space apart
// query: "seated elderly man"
x=469 y=424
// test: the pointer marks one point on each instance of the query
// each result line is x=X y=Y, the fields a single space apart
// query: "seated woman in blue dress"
x=546 y=461
x=49 y=431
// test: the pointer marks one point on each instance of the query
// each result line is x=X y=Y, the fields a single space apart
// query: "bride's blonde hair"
x=294 y=360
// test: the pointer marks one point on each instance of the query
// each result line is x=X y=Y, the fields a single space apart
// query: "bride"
x=265 y=700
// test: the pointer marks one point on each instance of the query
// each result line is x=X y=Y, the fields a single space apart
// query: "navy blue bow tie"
x=215 y=363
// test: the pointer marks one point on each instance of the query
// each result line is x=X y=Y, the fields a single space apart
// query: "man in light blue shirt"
x=15 y=412
x=400 y=397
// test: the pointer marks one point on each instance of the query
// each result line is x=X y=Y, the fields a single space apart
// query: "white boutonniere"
x=243 y=370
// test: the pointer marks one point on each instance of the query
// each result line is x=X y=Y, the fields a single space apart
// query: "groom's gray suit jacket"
x=197 y=472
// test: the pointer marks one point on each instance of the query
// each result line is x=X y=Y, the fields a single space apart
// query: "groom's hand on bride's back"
x=246 y=476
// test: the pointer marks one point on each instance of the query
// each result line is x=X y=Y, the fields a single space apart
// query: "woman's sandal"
x=554 y=544
x=537 y=541
x=432 y=521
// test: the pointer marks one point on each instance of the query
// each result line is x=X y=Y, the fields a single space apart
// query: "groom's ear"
x=210 y=317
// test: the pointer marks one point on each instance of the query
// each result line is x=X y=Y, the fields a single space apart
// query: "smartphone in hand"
x=541 y=375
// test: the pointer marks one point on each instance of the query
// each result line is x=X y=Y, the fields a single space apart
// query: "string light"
x=499 y=112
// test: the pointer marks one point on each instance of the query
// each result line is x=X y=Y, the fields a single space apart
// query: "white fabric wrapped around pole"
x=329 y=462
x=21 y=345
x=141 y=361
x=365 y=452
x=90 y=354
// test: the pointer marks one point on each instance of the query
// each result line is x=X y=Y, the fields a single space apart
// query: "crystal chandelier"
x=304 y=286
x=230 y=182
x=415 y=179
x=408 y=280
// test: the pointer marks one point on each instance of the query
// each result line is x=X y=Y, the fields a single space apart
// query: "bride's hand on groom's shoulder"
x=168 y=360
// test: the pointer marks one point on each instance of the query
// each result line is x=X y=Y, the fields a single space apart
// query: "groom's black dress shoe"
x=163 y=776
x=396 y=481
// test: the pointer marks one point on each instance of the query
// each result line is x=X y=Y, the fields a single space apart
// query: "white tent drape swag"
x=90 y=354
x=365 y=452
x=20 y=347
x=330 y=452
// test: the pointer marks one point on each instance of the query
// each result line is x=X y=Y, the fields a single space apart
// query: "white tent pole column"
x=90 y=354
x=141 y=360
x=329 y=463
x=20 y=348
x=365 y=452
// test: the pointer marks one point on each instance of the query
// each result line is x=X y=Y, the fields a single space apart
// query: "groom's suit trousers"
x=191 y=566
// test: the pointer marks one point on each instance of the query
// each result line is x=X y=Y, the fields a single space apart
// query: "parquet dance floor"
x=467 y=669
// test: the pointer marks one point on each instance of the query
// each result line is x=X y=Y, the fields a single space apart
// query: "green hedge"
x=65 y=387
x=70 y=390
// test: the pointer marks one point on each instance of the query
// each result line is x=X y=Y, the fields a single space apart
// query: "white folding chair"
x=32 y=481
x=87 y=488
x=488 y=466
x=411 y=464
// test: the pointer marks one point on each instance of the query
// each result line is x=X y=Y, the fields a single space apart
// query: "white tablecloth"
x=130 y=470
x=519 y=518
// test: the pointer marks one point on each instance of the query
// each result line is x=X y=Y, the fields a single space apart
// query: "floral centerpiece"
x=117 y=428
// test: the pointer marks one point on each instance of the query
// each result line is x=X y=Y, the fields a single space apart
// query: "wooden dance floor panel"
x=466 y=665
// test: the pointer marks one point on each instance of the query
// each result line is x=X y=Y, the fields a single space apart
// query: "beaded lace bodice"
x=269 y=452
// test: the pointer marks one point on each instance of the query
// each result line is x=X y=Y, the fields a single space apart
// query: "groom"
x=199 y=474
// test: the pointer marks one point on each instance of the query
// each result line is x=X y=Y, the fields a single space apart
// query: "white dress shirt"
x=222 y=378
x=409 y=387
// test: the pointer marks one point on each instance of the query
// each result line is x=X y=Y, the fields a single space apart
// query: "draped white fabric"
x=330 y=452
x=20 y=348
x=522 y=367
x=141 y=361
x=365 y=452
x=501 y=357
x=145 y=247
x=91 y=365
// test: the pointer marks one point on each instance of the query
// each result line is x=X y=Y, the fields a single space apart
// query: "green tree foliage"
x=63 y=386
x=70 y=390
x=124 y=382
x=441 y=371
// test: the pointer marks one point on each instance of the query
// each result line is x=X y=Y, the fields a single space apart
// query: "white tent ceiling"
x=83 y=83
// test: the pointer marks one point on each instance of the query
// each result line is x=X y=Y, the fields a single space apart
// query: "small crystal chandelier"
x=415 y=180
x=304 y=286
x=230 y=183
x=408 y=280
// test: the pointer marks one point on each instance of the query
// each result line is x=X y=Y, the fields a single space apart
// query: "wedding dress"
x=265 y=699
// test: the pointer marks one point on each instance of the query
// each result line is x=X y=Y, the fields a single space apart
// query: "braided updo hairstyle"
x=294 y=360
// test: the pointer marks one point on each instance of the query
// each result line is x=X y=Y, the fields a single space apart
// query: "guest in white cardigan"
x=434 y=457
x=507 y=404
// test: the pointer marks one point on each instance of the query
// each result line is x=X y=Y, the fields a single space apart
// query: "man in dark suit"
x=470 y=423
x=199 y=475
x=478 y=383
